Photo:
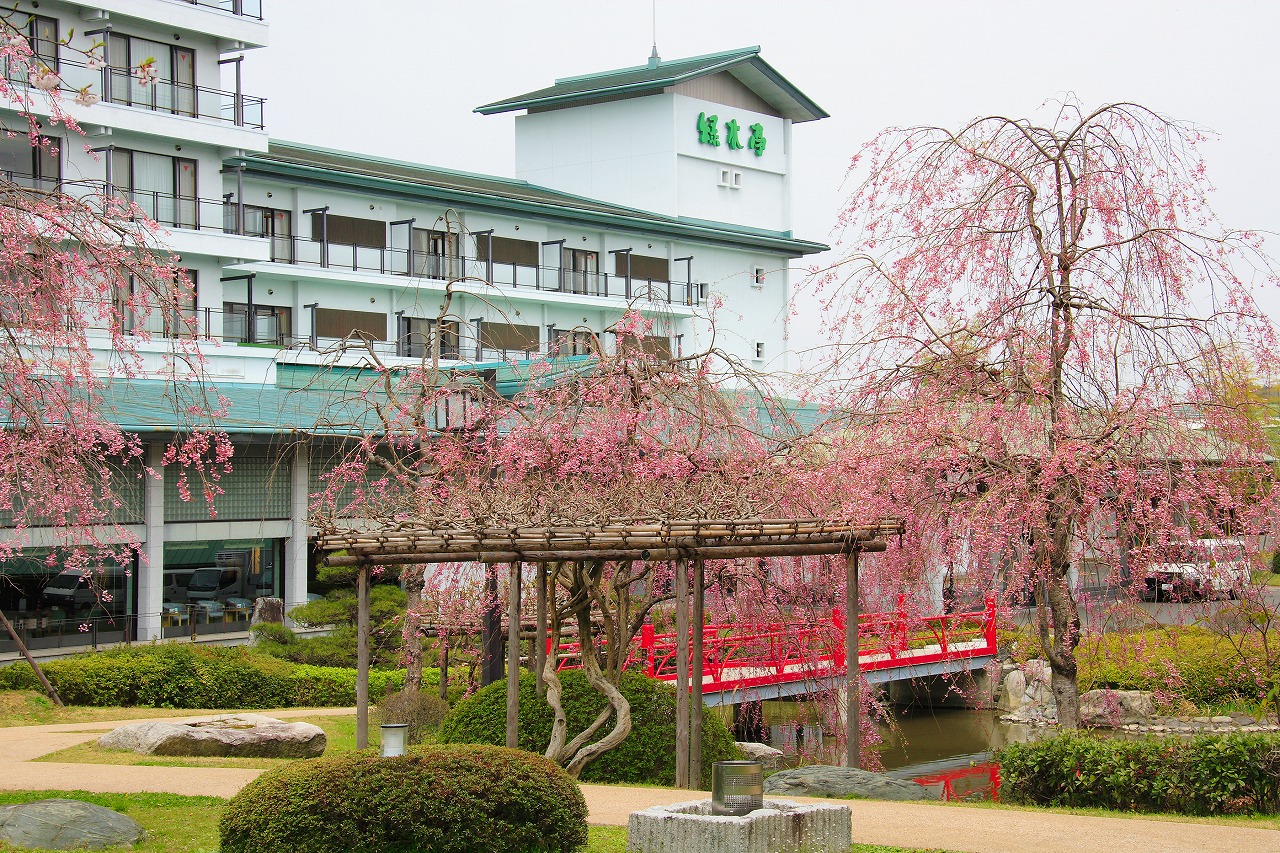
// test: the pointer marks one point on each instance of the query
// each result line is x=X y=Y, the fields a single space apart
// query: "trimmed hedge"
x=647 y=755
x=461 y=799
x=1203 y=775
x=181 y=675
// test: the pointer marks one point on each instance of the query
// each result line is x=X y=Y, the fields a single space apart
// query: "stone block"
x=781 y=826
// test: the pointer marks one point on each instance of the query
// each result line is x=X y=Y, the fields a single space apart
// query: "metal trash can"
x=737 y=787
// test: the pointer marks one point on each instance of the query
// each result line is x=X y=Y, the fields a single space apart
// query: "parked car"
x=1205 y=568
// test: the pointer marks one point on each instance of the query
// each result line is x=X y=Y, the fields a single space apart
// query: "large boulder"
x=267 y=610
x=233 y=735
x=1028 y=691
x=820 y=780
x=768 y=756
x=1113 y=708
x=66 y=825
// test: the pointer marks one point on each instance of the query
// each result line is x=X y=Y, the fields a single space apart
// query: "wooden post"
x=682 y=674
x=22 y=647
x=513 y=656
x=491 y=629
x=695 y=701
x=362 y=656
x=853 y=695
x=540 y=641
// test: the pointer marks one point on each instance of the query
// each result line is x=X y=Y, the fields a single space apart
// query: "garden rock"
x=267 y=610
x=1113 y=708
x=820 y=780
x=231 y=735
x=66 y=825
x=1027 y=695
x=768 y=756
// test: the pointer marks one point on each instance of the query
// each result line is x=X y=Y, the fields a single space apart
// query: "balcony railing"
x=417 y=264
x=124 y=87
x=244 y=8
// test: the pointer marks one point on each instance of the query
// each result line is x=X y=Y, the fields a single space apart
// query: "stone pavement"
x=928 y=825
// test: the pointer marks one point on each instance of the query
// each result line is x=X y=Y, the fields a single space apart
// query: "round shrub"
x=647 y=755
x=459 y=799
x=421 y=711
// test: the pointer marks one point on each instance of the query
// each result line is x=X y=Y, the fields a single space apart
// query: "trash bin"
x=737 y=787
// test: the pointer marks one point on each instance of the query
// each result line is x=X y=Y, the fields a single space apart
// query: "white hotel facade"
x=665 y=186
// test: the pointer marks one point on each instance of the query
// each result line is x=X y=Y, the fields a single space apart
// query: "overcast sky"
x=400 y=78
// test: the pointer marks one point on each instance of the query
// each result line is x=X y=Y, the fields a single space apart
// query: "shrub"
x=1204 y=775
x=272 y=634
x=461 y=799
x=646 y=755
x=181 y=675
x=420 y=710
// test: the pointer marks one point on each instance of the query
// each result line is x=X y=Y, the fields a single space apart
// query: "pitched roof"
x=744 y=64
x=363 y=173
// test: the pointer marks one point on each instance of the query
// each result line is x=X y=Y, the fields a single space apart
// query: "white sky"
x=399 y=78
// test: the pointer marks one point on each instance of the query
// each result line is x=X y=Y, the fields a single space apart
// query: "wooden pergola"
x=683 y=542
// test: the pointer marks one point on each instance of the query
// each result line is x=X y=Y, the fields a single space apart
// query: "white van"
x=93 y=589
x=215 y=582
x=1205 y=568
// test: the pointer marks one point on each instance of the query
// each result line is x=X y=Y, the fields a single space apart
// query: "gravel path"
x=929 y=825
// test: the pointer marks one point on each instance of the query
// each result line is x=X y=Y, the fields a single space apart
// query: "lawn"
x=177 y=824
x=340 y=731
x=28 y=708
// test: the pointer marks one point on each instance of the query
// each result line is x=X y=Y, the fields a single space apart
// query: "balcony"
x=122 y=87
x=244 y=8
x=412 y=263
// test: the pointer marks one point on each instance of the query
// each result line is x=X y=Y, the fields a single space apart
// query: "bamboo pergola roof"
x=708 y=539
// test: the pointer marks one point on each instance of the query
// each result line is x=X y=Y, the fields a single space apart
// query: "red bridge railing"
x=734 y=658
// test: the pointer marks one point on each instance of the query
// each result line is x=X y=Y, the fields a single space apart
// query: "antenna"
x=654 y=59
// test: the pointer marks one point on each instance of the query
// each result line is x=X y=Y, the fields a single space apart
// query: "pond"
x=949 y=750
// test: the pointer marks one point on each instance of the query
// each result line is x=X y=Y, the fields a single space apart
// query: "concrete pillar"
x=151 y=568
x=295 y=559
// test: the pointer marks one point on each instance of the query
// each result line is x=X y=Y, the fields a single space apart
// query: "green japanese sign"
x=709 y=134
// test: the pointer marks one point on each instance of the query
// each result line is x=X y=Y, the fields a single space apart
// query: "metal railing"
x=55 y=630
x=243 y=8
x=124 y=86
x=185 y=212
x=418 y=264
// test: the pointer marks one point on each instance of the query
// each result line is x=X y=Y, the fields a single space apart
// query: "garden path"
x=930 y=825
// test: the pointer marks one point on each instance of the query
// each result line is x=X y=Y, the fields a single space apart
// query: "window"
x=643 y=267
x=43 y=38
x=164 y=187
x=28 y=165
x=758 y=277
x=509 y=337
x=731 y=178
x=575 y=342
x=348 y=230
x=271 y=324
x=180 y=318
x=436 y=254
x=507 y=250
x=174 y=86
x=759 y=351
x=273 y=223
x=580 y=271
x=339 y=323
x=416 y=337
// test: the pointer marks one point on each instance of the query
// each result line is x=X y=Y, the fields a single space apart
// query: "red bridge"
x=795 y=658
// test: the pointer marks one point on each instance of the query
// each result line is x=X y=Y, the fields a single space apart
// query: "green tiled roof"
x=745 y=64
x=361 y=173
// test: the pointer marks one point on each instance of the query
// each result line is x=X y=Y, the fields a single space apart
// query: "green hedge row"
x=647 y=755
x=181 y=675
x=462 y=799
x=1203 y=775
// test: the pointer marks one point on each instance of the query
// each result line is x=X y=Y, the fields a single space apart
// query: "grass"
x=28 y=708
x=339 y=731
x=177 y=824
x=1266 y=577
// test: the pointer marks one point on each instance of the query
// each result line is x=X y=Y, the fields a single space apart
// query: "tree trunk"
x=413 y=629
x=22 y=647
x=1057 y=605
